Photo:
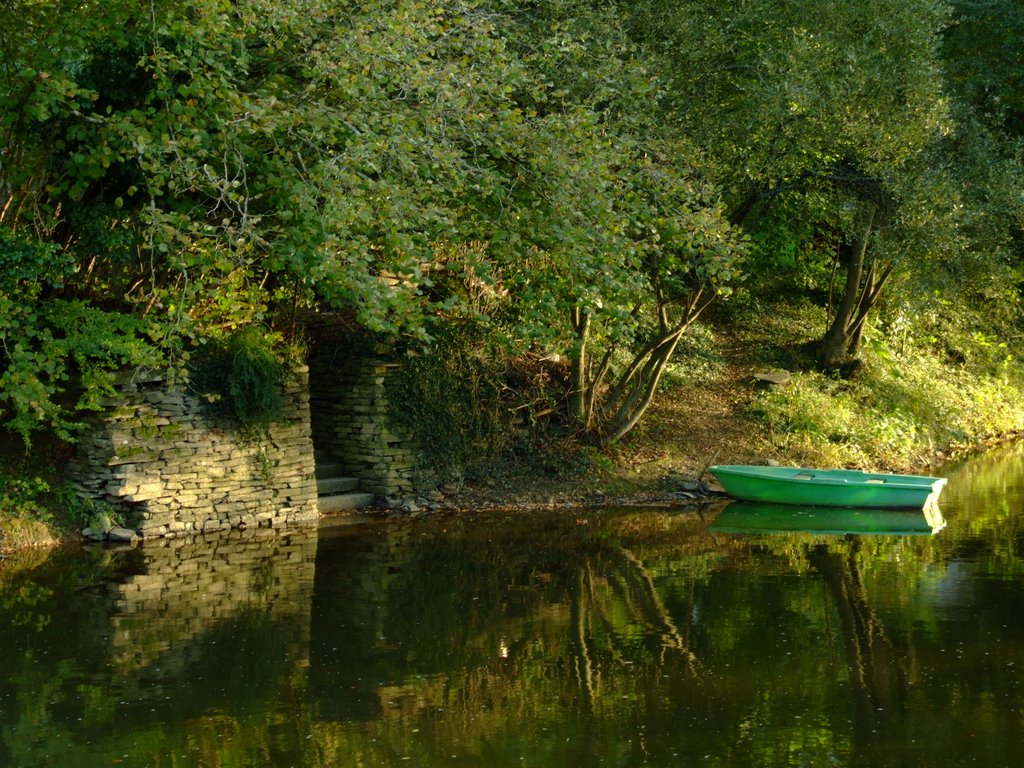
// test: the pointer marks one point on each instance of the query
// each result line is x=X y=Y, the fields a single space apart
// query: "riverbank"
x=730 y=398
x=751 y=398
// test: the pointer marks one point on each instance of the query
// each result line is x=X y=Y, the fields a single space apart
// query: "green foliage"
x=918 y=396
x=21 y=495
x=181 y=167
x=984 y=53
x=817 y=416
x=255 y=380
x=230 y=181
x=450 y=396
x=819 y=120
x=242 y=379
x=37 y=504
x=789 y=252
x=698 y=358
x=57 y=354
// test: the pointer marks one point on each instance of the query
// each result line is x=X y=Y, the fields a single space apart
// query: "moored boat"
x=827 y=487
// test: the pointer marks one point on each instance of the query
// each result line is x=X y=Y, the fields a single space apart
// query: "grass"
x=913 y=413
x=903 y=410
x=37 y=504
x=19 y=532
x=906 y=410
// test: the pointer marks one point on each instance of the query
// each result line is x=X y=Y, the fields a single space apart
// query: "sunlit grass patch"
x=821 y=421
x=899 y=412
x=18 y=532
x=954 y=405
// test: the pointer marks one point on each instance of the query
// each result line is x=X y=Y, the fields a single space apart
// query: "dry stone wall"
x=156 y=456
x=351 y=425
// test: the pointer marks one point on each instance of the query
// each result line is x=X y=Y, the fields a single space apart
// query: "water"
x=611 y=638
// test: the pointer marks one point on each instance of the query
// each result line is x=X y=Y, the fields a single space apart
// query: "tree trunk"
x=578 y=394
x=837 y=350
x=637 y=395
x=615 y=412
x=605 y=411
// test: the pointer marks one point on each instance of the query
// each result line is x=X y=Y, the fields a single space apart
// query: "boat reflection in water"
x=755 y=517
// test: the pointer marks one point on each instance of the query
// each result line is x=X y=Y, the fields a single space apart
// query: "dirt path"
x=705 y=422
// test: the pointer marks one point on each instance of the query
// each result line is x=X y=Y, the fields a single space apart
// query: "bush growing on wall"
x=242 y=378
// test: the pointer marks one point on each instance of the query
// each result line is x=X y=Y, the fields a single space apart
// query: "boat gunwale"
x=754 y=531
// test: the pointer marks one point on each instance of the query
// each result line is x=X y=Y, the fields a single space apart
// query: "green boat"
x=756 y=518
x=828 y=487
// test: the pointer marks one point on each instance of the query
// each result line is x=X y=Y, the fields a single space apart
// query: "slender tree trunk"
x=839 y=346
x=873 y=286
x=578 y=396
x=642 y=394
x=633 y=392
x=606 y=412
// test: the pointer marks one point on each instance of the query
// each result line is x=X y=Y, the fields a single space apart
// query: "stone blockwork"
x=351 y=426
x=155 y=454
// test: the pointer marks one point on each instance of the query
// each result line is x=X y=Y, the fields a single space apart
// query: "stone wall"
x=351 y=426
x=155 y=454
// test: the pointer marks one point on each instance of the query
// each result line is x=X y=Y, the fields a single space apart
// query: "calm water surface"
x=612 y=638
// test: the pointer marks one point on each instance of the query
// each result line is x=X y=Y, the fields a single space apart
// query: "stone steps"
x=326 y=469
x=336 y=492
x=325 y=486
x=344 y=502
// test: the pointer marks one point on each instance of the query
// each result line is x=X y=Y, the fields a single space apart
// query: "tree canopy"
x=569 y=176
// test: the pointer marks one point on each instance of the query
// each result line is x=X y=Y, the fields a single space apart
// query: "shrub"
x=242 y=380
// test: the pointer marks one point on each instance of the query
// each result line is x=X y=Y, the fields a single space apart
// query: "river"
x=627 y=637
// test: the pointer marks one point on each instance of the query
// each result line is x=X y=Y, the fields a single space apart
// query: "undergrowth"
x=697 y=357
x=242 y=379
x=37 y=504
x=905 y=409
x=443 y=396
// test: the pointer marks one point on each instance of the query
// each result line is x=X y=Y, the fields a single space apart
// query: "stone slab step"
x=328 y=469
x=344 y=501
x=328 y=485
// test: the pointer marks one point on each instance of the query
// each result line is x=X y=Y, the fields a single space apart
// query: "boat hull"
x=828 y=488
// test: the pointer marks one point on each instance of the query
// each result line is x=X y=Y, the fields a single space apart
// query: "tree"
x=983 y=55
x=686 y=255
x=830 y=103
x=625 y=245
x=200 y=165
x=60 y=317
x=186 y=168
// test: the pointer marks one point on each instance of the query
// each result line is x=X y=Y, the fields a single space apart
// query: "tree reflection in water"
x=878 y=671
x=629 y=637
